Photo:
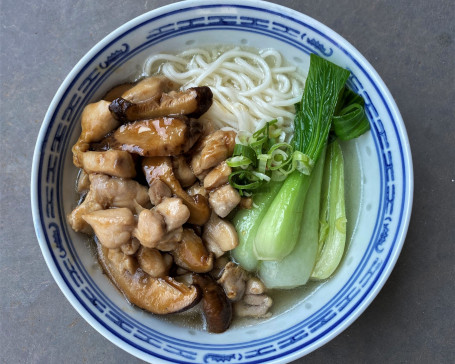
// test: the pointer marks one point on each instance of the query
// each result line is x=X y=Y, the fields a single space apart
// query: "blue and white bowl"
x=379 y=187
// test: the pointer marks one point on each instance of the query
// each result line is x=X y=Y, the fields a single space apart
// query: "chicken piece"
x=197 y=189
x=218 y=176
x=131 y=247
x=175 y=213
x=161 y=168
x=191 y=253
x=149 y=88
x=118 y=192
x=113 y=227
x=233 y=281
x=158 y=191
x=218 y=267
x=157 y=295
x=192 y=102
x=170 y=240
x=115 y=163
x=150 y=228
x=75 y=219
x=219 y=235
x=224 y=200
x=182 y=171
x=254 y=286
x=163 y=136
x=253 y=306
x=124 y=263
x=117 y=91
x=83 y=182
x=212 y=150
x=96 y=122
x=152 y=262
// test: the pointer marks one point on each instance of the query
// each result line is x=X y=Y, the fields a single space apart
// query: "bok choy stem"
x=279 y=229
x=332 y=236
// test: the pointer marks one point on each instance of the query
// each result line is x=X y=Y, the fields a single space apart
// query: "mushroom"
x=216 y=307
x=192 y=102
x=117 y=91
x=163 y=136
x=218 y=176
x=233 y=281
x=111 y=162
x=224 y=199
x=219 y=235
x=113 y=227
x=96 y=122
x=152 y=262
x=191 y=253
x=161 y=168
x=157 y=295
x=212 y=150
x=183 y=171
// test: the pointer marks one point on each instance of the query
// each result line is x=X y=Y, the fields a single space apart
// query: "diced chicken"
x=161 y=168
x=170 y=240
x=122 y=262
x=118 y=192
x=175 y=213
x=149 y=88
x=183 y=171
x=152 y=262
x=254 y=286
x=224 y=199
x=212 y=150
x=96 y=122
x=253 y=306
x=218 y=266
x=150 y=228
x=218 y=176
x=113 y=227
x=219 y=235
x=197 y=189
x=158 y=191
x=83 y=182
x=233 y=281
x=131 y=247
x=111 y=162
x=75 y=217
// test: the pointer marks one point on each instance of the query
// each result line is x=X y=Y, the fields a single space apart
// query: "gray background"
x=409 y=43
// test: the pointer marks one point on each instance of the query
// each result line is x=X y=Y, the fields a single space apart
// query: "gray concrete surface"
x=411 y=45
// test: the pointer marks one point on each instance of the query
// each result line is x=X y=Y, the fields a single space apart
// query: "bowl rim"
x=364 y=303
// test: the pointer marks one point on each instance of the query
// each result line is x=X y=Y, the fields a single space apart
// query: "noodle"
x=250 y=87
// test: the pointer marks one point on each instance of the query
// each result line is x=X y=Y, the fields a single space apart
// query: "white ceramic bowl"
x=379 y=178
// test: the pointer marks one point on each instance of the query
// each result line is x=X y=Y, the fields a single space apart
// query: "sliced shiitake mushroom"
x=157 y=295
x=163 y=136
x=161 y=168
x=111 y=162
x=216 y=306
x=192 y=102
x=191 y=253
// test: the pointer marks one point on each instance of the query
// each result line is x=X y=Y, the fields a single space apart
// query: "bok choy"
x=279 y=229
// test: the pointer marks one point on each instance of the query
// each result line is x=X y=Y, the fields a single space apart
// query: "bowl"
x=379 y=188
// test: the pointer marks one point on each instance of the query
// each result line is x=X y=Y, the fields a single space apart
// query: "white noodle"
x=250 y=87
